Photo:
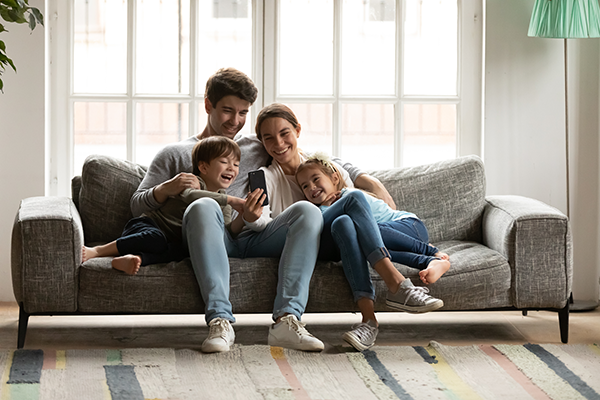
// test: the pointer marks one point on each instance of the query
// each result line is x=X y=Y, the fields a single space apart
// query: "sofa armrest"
x=46 y=253
x=536 y=240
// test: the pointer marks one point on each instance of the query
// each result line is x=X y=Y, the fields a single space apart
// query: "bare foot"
x=434 y=271
x=88 y=253
x=129 y=264
x=441 y=255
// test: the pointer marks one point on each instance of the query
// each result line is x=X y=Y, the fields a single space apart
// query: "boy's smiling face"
x=220 y=173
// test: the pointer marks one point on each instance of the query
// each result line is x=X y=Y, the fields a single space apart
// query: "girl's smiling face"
x=280 y=139
x=316 y=184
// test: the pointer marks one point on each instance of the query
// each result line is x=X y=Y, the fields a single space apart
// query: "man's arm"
x=161 y=179
x=366 y=182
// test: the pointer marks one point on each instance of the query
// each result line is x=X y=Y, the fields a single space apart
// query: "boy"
x=155 y=237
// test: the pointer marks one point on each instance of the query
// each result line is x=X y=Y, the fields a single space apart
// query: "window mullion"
x=399 y=107
x=337 y=77
x=131 y=104
x=194 y=103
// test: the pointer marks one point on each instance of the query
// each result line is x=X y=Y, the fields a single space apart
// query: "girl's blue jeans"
x=293 y=237
x=350 y=231
x=407 y=240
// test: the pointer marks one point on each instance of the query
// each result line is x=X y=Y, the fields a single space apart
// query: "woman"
x=349 y=229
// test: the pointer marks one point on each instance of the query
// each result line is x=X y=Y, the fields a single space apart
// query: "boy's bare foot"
x=434 y=271
x=130 y=264
x=88 y=253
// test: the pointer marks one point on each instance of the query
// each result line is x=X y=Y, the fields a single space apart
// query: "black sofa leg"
x=23 y=320
x=563 y=322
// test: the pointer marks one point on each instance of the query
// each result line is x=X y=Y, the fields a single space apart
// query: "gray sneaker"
x=362 y=336
x=413 y=299
x=220 y=336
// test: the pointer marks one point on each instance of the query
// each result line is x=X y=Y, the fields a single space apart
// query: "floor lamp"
x=566 y=19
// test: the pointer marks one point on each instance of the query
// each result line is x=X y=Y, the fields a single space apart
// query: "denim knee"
x=309 y=216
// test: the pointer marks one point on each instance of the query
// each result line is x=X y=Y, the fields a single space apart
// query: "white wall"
x=22 y=138
x=524 y=128
x=524 y=143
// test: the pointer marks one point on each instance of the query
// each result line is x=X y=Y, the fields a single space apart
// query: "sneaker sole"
x=354 y=342
x=296 y=346
x=415 y=309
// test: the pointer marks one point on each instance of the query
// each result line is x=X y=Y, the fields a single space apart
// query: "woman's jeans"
x=350 y=230
x=293 y=236
x=407 y=240
x=141 y=236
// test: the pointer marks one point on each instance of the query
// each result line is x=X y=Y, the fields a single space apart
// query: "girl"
x=403 y=233
x=349 y=229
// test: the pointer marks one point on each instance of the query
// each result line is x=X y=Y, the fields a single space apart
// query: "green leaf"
x=17 y=16
x=2 y=29
x=31 y=22
x=38 y=15
x=2 y=46
x=1 y=86
x=10 y=3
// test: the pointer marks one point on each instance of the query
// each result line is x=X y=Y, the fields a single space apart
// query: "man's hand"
x=175 y=186
x=253 y=205
x=373 y=185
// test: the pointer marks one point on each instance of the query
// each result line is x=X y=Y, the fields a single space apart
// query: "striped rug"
x=436 y=371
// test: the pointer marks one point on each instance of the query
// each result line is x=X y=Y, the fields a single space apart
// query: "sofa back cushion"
x=449 y=196
x=106 y=186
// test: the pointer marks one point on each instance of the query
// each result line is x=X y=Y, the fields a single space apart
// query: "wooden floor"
x=183 y=331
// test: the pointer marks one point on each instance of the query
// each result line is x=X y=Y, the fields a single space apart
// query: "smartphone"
x=257 y=180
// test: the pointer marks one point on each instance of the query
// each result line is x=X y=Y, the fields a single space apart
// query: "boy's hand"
x=253 y=205
x=175 y=186
x=332 y=198
x=236 y=203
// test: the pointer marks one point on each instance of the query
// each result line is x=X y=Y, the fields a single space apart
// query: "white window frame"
x=265 y=73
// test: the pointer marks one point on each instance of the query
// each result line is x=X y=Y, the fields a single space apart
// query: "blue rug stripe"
x=429 y=359
x=563 y=371
x=26 y=366
x=386 y=377
x=123 y=383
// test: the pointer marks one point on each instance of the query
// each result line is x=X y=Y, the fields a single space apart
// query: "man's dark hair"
x=213 y=147
x=230 y=82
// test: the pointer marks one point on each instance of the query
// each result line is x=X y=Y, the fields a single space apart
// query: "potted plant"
x=17 y=11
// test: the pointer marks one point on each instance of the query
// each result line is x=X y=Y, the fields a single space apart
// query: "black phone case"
x=257 y=180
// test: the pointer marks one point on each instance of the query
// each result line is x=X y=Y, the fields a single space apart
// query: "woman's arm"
x=373 y=185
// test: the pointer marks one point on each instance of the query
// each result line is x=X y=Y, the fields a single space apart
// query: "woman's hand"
x=236 y=203
x=253 y=205
x=332 y=198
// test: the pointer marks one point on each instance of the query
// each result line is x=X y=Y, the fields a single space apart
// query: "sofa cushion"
x=107 y=184
x=449 y=196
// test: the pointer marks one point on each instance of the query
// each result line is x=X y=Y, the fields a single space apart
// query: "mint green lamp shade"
x=565 y=19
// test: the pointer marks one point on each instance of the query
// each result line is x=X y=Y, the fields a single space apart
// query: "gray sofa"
x=507 y=252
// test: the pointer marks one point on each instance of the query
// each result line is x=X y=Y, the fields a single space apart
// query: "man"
x=293 y=236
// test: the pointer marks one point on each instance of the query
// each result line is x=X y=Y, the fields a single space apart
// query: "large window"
x=380 y=83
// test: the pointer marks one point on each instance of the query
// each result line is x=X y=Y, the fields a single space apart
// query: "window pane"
x=430 y=47
x=224 y=37
x=429 y=133
x=368 y=135
x=158 y=124
x=368 y=47
x=306 y=47
x=316 y=122
x=99 y=129
x=163 y=46
x=100 y=46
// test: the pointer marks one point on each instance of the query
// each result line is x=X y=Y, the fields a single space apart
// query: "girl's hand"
x=253 y=205
x=236 y=203
x=332 y=198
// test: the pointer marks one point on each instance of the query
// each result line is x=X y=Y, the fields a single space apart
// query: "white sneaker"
x=220 y=336
x=362 y=336
x=413 y=299
x=291 y=334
